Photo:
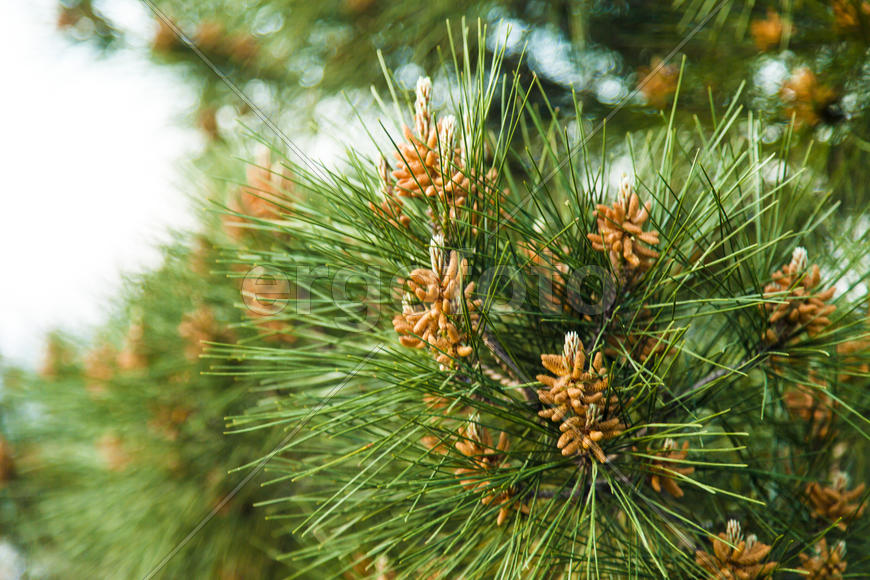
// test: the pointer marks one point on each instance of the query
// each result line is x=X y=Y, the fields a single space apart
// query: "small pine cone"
x=475 y=443
x=427 y=156
x=734 y=558
x=798 y=307
x=100 y=369
x=206 y=120
x=59 y=355
x=132 y=356
x=390 y=209
x=657 y=82
x=854 y=355
x=825 y=564
x=575 y=397
x=113 y=453
x=264 y=302
x=209 y=36
x=266 y=194
x=195 y=328
x=164 y=40
x=812 y=406
x=848 y=14
x=552 y=273
x=805 y=98
x=835 y=503
x=433 y=322
x=242 y=48
x=166 y=421
x=767 y=33
x=663 y=470
x=621 y=235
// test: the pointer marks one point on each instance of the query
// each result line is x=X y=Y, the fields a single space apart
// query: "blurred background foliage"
x=805 y=58
x=120 y=443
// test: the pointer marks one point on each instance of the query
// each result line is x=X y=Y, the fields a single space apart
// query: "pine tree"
x=517 y=342
x=669 y=316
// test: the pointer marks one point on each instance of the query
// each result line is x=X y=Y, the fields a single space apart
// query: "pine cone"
x=166 y=421
x=812 y=406
x=210 y=36
x=200 y=326
x=165 y=40
x=740 y=562
x=428 y=153
x=430 y=164
x=662 y=470
x=113 y=453
x=621 y=235
x=855 y=355
x=767 y=33
x=640 y=345
x=262 y=306
x=390 y=209
x=846 y=14
x=836 y=502
x=575 y=397
x=825 y=564
x=132 y=356
x=799 y=308
x=657 y=82
x=59 y=355
x=439 y=290
x=475 y=443
x=805 y=98
x=268 y=189
x=99 y=368
x=546 y=264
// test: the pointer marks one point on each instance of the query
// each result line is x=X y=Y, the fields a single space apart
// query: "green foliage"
x=373 y=476
x=121 y=456
x=380 y=460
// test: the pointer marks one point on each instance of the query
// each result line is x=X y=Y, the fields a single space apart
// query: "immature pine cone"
x=268 y=186
x=475 y=443
x=431 y=164
x=642 y=343
x=390 y=209
x=663 y=470
x=766 y=34
x=621 y=235
x=812 y=406
x=264 y=302
x=740 y=562
x=846 y=13
x=855 y=354
x=805 y=98
x=200 y=326
x=99 y=368
x=132 y=356
x=576 y=398
x=825 y=564
x=836 y=502
x=440 y=291
x=799 y=308
x=658 y=82
x=425 y=158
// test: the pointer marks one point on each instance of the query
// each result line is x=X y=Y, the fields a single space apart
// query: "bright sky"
x=91 y=164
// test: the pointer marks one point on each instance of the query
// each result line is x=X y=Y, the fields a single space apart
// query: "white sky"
x=90 y=151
